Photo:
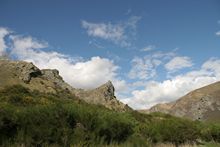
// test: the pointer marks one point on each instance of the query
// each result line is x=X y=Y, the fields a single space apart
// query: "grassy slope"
x=30 y=118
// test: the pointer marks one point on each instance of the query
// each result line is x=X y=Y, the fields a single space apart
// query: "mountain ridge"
x=200 y=104
x=49 y=81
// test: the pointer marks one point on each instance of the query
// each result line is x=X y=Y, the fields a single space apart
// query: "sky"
x=153 y=51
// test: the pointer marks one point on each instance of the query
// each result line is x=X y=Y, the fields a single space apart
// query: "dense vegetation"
x=31 y=118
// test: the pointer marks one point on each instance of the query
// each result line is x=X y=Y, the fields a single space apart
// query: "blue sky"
x=153 y=50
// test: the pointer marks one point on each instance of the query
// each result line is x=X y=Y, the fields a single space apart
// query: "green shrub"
x=31 y=118
x=210 y=132
x=114 y=127
x=8 y=123
x=172 y=130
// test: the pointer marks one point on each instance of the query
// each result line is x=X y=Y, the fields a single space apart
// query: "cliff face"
x=49 y=81
x=201 y=104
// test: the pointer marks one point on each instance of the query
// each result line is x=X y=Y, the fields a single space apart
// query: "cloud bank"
x=168 y=90
x=78 y=72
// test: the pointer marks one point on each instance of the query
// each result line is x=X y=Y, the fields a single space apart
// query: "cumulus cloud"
x=171 y=89
x=26 y=47
x=217 y=33
x=178 y=63
x=3 y=33
x=76 y=71
x=118 y=33
x=148 y=48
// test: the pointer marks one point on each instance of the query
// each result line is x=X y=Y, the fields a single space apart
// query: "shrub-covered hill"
x=49 y=81
x=30 y=118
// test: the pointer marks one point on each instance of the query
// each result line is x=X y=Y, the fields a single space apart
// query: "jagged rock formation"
x=28 y=75
x=201 y=104
x=49 y=81
x=104 y=95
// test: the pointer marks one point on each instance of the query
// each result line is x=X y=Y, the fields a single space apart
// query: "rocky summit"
x=49 y=81
x=201 y=104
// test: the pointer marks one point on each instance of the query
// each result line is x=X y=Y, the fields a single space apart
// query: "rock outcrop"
x=49 y=81
x=103 y=95
x=28 y=75
x=201 y=104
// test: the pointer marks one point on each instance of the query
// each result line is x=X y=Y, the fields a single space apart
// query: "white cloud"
x=178 y=63
x=26 y=47
x=90 y=73
x=213 y=66
x=217 y=33
x=145 y=68
x=132 y=22
x=105 y=31
x=77 y=72
x=3 y=33
x=118 y=33
x=96 y=44
x=25 y=43
x=148 y=48
x=169 y=90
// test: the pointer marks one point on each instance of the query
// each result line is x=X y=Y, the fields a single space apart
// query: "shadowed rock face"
x=201 y=104
x=49 y=80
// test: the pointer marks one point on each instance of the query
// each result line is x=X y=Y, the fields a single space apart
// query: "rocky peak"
x=107 y=90
x=49 y=81
x=103 y=95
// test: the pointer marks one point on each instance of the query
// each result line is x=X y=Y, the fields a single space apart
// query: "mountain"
x=200 y=104
x=38 y=108
x=49 y=81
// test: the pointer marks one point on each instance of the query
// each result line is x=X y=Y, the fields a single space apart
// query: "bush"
x=210 y=132
x=172 y=130
x=8 y=124
x=114 y=127
x=31 y=118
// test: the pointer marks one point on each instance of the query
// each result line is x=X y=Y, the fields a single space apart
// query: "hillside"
x=49 y=81
x=32 y=118
x=200 y=104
